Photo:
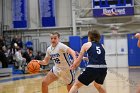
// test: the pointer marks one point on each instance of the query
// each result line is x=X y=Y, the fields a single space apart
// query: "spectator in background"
x=3 y=57
x=19 y=42
x=20 y=60
x=13 y=45
x=16 y=42
x=2 y=43
x=38 y=56
x=28 y=55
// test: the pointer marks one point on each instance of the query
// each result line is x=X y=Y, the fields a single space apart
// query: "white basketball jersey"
x=59 y=55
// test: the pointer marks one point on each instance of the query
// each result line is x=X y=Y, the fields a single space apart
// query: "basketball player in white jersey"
x=138 y=36
x=59 y=53
x=138 y=44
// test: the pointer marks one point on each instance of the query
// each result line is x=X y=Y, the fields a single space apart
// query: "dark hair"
x=94 y=35
x=55 y=33
x=30 y=48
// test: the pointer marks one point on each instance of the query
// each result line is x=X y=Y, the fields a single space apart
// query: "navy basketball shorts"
x=93 y=74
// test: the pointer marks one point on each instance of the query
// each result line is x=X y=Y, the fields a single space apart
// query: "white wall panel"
x=33 y=13
x=122 y=44
x=116 y=51
x=122 y=61
x=8 y=12
x=63 y=12
x=122 y=51
x=111 y=60
x=110 y=45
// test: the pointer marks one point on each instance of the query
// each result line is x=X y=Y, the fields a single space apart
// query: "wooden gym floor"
x=118 y=80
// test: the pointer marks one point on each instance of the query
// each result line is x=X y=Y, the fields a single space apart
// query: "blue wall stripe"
x=133 y=51
x=20 y=78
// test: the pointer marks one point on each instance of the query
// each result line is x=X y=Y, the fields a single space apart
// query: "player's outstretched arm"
x=138 y=36
x=79 y=59
x=84 y=58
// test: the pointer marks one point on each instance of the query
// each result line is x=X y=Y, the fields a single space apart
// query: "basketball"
x=33 y=67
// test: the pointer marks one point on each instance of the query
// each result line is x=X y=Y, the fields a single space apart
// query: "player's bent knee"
x=98 y=86
x=45 y=83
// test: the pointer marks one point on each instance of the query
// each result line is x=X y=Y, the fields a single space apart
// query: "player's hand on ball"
x=33 y=67
x=36 y=61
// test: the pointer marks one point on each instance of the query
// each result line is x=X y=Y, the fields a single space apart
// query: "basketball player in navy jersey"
x=96 y=69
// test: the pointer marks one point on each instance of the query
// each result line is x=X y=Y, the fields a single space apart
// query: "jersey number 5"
x=98 y=50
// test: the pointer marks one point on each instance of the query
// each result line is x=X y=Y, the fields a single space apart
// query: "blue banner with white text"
x=47 y=13
x=111 y=8
x=110 y=12
x=19 y=12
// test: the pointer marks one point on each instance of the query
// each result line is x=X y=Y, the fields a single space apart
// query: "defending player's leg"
x=138 y=89
x=75 y=87
x=99 y=87
x=48 y=79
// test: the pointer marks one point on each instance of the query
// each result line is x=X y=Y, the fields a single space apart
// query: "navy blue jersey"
x=96 y=54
